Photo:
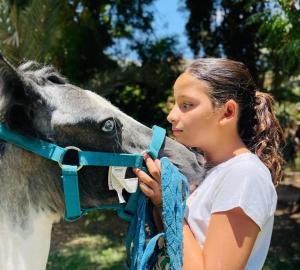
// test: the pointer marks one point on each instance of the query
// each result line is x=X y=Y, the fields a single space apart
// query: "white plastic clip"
x=118 y=182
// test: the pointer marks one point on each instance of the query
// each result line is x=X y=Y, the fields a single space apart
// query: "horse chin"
x=93 y=186
x=97 y=191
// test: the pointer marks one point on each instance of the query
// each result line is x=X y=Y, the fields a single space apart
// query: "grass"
x=96 y=242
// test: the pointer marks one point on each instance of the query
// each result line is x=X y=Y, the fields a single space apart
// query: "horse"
x=37 y=101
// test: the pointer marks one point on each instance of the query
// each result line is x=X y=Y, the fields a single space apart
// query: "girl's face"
x=195 y=122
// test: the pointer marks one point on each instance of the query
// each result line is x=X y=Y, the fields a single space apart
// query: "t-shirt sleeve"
x=247 y=188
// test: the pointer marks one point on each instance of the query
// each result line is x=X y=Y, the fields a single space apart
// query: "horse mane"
x=41 y=74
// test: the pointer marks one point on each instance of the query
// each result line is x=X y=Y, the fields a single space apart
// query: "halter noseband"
x=86 y=158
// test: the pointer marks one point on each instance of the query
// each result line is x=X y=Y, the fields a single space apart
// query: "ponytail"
x=268 y=136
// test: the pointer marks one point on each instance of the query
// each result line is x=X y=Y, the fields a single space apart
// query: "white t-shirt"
x=242 y=181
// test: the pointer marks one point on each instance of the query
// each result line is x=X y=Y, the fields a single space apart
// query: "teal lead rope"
x=173 y=210
x=139 y=252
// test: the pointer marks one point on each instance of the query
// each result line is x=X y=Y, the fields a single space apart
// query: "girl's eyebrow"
x=185 y=96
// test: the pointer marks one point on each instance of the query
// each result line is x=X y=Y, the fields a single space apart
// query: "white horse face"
x=40 y=103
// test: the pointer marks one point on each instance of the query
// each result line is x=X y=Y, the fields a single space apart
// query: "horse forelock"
x=40 y=74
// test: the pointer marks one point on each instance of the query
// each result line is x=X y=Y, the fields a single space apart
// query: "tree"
x=76 y=36
x=218 y=29
x=265 y=35
x=280 y=25
x=142 y=89
x=73 y=35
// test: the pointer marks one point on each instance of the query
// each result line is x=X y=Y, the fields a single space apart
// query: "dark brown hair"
x=258 y=126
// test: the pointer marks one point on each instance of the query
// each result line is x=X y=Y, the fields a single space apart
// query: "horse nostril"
x=108 y=126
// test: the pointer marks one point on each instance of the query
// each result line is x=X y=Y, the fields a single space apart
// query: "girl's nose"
x=172 y=116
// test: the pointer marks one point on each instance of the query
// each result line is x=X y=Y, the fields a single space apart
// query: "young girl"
x=229 y=217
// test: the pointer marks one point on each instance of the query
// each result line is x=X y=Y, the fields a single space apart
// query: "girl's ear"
x=229 y=112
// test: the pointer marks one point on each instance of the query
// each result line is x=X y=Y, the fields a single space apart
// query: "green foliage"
x=280 y=50
x=72 y=35
x=198 y=26
x=75 y=37
x=279 y=24
x=25 y=29
x=150 y=82
x=218 y=29
x=265 y=35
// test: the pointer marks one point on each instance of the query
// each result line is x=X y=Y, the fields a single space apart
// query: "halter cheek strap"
x=86 y=158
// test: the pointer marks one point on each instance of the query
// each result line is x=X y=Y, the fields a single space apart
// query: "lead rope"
x=138 y=251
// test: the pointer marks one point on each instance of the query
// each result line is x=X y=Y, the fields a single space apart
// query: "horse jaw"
x=26 y=247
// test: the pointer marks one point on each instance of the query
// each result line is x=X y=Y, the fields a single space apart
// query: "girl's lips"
x=176 y=131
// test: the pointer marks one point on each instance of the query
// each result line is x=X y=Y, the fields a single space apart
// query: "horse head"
x=39 y=102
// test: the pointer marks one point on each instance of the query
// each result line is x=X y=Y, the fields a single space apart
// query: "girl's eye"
x=186 y=105
x=108 y=126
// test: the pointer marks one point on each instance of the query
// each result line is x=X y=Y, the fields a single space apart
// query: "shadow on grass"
x=95 y=242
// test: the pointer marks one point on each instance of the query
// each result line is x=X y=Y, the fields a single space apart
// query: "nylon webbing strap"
x=110 y=159
x=39 y=147
x=86 y=158
x=71 y=191
x=156 y=141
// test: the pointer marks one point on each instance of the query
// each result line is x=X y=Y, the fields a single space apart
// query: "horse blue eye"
x=108 y=126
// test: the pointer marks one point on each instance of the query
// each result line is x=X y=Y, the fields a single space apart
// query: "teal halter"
x=86 y=158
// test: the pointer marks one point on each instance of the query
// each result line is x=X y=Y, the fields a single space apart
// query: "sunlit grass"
x=98 y=245
x=89 y=252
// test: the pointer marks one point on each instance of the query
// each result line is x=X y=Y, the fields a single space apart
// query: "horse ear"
x=13 y=99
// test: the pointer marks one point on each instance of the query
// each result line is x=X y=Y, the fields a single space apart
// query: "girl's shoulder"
x=246 y=163
x=245 y=171
x=243 y=181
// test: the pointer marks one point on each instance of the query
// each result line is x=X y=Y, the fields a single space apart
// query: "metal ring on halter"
x=63 y=154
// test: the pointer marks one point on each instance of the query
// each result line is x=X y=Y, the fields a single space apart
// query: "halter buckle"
x=64 y=153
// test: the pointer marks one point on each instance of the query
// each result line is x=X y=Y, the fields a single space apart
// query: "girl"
x=229 y=217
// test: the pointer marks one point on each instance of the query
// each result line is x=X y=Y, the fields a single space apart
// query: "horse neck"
x=28 y=181
x=29 y=205
x=26 y=247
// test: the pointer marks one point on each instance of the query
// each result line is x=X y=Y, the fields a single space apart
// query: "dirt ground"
x=284 y=251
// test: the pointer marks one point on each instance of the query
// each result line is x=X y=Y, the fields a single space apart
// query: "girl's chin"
x=183 y=141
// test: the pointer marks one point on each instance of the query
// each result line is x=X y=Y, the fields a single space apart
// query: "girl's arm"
x=229 y=241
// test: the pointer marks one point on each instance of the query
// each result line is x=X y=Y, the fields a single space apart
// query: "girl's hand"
x=150 y=186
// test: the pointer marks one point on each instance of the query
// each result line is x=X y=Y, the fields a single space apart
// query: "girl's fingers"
x=146 y=190
x=149 y=186
x=157 y=163
x=146 y=179
x=153 y=167
x=153 y=194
